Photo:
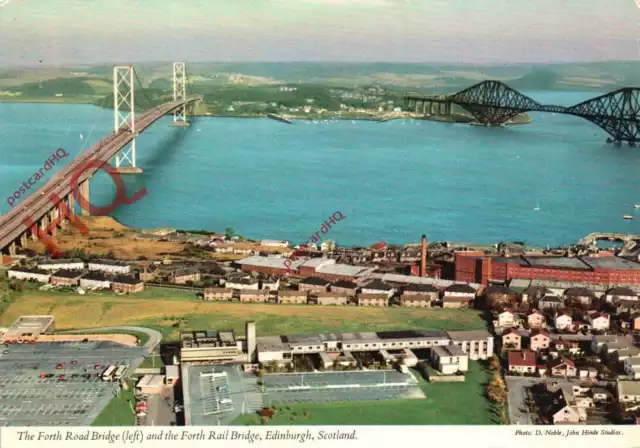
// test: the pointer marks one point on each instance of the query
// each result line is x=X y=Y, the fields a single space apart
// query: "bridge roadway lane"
x=39 y=202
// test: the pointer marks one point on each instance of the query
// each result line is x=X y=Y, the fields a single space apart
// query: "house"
x=66 y=278
x=331 y=298
x=419 y=289
x=456 y=302
x=314 y=284
x=377 y=287
x=61 y=265
x=588 y=372
x=511 y=339
x=563 y=367
x=536 y=319
x=539 y=340
x=95 y=280
x=629 y=392
x=253 y=295
x=458 y=290
x=534 y=293
x=506 y=318
x=598 y=321
x=416 y=300
x=619 y=293
x=560 y=345
x=583 y=295
x=550 y=302
x=345 y=287
x=109 y=266
x=601 y=395
x=182 y=276
x=450 y=359
x=632 y=367
x=270 y=282
x=242 y=283
x=274 y=243
x=627 y=306
x=127 y=284
x=292 y=297
x=373 y=300
x=558 y=409
x=523 y=361
x=22 y=273
x=563 y=321
x=148 y=273
x=218 y=294
x=635 y=321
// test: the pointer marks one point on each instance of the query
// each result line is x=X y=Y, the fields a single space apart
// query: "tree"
x=494 y=363
x=496 y=390
x=229 y=232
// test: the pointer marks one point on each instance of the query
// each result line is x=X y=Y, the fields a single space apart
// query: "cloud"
x=5 y=2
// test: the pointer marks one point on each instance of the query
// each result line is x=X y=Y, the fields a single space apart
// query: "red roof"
x=510 y=331
x=562 y=360
x=380 y=245
x=523 y=358
x=535 y=333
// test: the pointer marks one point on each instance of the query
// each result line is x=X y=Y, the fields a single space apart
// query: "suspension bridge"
x=494 y=102
x=53 y=204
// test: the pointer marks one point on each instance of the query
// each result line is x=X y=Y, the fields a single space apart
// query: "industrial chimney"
x=250 y=333
x=423 y=257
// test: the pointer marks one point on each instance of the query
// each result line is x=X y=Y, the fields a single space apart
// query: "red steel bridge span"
x=54 y=202
x=494 y=102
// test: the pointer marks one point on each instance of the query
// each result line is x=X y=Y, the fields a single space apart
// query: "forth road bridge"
x=53 y=205
x=495 y=103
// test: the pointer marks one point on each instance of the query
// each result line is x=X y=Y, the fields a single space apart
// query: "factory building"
x=29 y=327
x=212 y=347
x=476 y=267
x=317 y=267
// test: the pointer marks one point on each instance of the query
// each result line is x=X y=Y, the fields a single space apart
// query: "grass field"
x=446 y=404
x=118 y=412
x=172 y=311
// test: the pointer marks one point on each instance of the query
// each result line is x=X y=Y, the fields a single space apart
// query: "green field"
x=446 y=404
x=118 y=412
x=172 y=311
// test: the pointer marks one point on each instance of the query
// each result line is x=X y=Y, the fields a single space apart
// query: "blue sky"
x=453 y=31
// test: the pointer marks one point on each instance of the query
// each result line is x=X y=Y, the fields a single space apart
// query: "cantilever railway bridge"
x=39 y=210
x=494 y=102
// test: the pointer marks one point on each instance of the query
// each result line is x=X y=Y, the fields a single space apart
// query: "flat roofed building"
x=151 y=384
x=477 y=344
x=373 y=300
x=219 y=294
x=343 y=272
x=30 y=327
x=22 y=273
x=629 y=391
x=211 y=347
x=127 y=284
x=109 y=266
x=243 y=284
x=450 y=359
x=269 y=265
x=254 y=296
x=330 y=298
x=66 y=278
x=292 y=297
x=61 y=264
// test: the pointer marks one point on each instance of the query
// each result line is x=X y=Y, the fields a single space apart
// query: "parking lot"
x=58 y=383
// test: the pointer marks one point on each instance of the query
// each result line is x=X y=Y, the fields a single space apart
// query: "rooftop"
x=611 y=263
x=109 y=262
x=315 y=281
x=420 y=288
x=523 y=358
x=449 y=350
x=269 y=262
x=317 y=262
x=127 y=279
x=344 y=269
x=557 y=262
x=65 y=273
x=629 y=387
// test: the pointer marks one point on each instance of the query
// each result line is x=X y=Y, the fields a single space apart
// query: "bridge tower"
x=124 y=116
x=179 y=93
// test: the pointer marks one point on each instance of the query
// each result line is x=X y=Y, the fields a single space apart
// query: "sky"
x=59 y=32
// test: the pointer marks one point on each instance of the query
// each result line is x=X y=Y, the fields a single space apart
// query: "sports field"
x=446 y=404
x=173 y=311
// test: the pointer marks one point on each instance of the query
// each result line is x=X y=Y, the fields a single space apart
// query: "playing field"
x=174 y=311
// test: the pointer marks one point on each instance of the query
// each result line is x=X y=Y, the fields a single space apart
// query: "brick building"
x=127 y=284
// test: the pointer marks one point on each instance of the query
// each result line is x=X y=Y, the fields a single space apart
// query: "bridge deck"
x=39 y=202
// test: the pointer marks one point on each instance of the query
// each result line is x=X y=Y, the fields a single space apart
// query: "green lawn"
x=446 y=404
x=152 y=362
x=118 y=412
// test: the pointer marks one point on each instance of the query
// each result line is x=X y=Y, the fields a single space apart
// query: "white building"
x=242 y=283
x=506 y=319
x=598 y=321
x=450 y=359
x=62 y=265
x=563 y=321
x=109 y=266
x=19 y=273
x=95 y=280
x=274 y=243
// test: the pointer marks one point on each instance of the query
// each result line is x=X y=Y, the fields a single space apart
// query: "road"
x=154 y=336
x=518 y=412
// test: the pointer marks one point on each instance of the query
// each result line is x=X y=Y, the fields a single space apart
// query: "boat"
x=537 y=209
x=637 y=206
x=627 y=217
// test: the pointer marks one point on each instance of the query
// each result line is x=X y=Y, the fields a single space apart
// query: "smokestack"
x=250 y=333
x=423 y=257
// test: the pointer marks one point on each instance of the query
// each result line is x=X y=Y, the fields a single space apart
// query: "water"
x=394 y=181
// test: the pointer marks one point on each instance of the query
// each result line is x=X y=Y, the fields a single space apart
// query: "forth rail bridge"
x=495 y=103
x=53 y=204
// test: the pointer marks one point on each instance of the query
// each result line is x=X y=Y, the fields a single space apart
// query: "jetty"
x=277 y=118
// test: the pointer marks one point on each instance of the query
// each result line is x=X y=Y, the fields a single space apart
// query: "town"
x=559 y=343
